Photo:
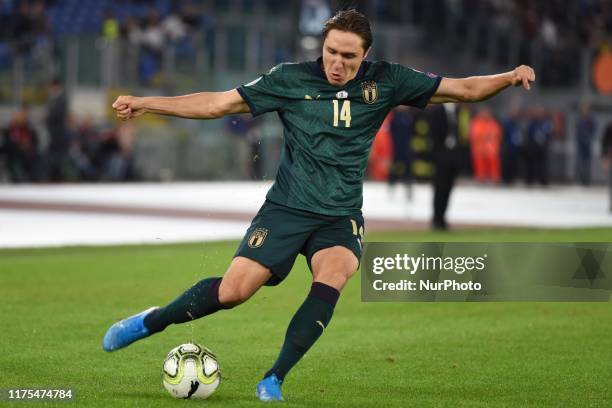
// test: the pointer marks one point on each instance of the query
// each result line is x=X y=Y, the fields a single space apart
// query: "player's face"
x=342 y=55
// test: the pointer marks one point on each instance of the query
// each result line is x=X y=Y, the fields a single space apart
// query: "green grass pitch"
x=57 y=304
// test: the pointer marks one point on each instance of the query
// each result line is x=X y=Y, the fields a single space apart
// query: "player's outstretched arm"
x=202 y=105
x=479 y=88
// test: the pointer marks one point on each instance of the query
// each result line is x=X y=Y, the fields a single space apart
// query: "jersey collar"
x=320 y=73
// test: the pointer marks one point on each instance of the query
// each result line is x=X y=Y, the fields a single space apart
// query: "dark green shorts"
x=278 y=234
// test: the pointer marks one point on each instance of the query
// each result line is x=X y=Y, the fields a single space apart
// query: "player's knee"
x=335 y=278
x=351 y=271
x=232 y=295
x=242 y=280
x=345 y=268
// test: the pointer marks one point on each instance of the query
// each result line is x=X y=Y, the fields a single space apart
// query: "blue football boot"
x=269 y=389
x=126 y=331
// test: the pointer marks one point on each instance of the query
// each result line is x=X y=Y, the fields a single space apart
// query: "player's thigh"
x=275 y=238
x=334 y=250
x=334 y=266
x=242 y=279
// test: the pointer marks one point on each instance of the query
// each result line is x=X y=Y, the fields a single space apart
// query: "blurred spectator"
x=153 y=35
x=56 y=122
x=585 y=136
x=20 y=145
x=114 y=160
x=539 y=134
x=192 y=15
x=152 y=44
x=110 y=26
x=22 y=28
x=149 y=36
x=511 y=146
x=244 y=127
x=132 y=31
x=174 y=28
x=444 y=130
x=401 y=128
x=83 y=150
x=27 y=28
x=182 y=38
x=253 y=137
x=485 y=140
x=313 y=14
x=379 y=161
x=548 y=33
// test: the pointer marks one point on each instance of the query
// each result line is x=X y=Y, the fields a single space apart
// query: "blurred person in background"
x=20 y=144
x=511 y=146
x=331 y=109
x=254 y=140
x=83 y=150
x=174 y=28
x=539 y=134
x=56 y=123
x=131 y=31
x=110 y=26
x=244 y=127
x=585 y=137
x=147 y=35
x=313 y=15
x=379 y=162
x=152 y=43
x=447 y=159
x=401 y=127
x=30 y=30
x=23 y=28
x=485 y=142
x=194 y=15
x=114 y=160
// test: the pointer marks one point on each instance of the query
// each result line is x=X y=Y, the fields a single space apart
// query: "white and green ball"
x=191 y=371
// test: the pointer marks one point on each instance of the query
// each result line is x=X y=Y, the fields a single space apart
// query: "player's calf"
x=306 y=326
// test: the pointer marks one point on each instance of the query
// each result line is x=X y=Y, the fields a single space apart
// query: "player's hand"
x=522 y=76
x=128 y=107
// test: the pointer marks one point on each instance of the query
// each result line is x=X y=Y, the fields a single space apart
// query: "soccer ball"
x=191 y=371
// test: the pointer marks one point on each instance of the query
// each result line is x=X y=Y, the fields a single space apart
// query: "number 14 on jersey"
x=343 y=113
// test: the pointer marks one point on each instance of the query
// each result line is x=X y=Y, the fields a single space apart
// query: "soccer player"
x=331 y=109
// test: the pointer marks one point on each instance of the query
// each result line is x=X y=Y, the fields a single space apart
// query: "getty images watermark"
x=422 y=263
x=486 y=272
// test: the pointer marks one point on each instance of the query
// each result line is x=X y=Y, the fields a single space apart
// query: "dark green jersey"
x=329 y=130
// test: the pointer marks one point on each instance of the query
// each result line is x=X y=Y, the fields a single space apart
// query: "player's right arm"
x=201 y=105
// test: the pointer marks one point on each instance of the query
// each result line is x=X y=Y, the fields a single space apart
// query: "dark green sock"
x=305 y=327
x=198 y=301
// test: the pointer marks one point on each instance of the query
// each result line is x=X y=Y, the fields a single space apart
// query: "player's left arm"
x=479 y=88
